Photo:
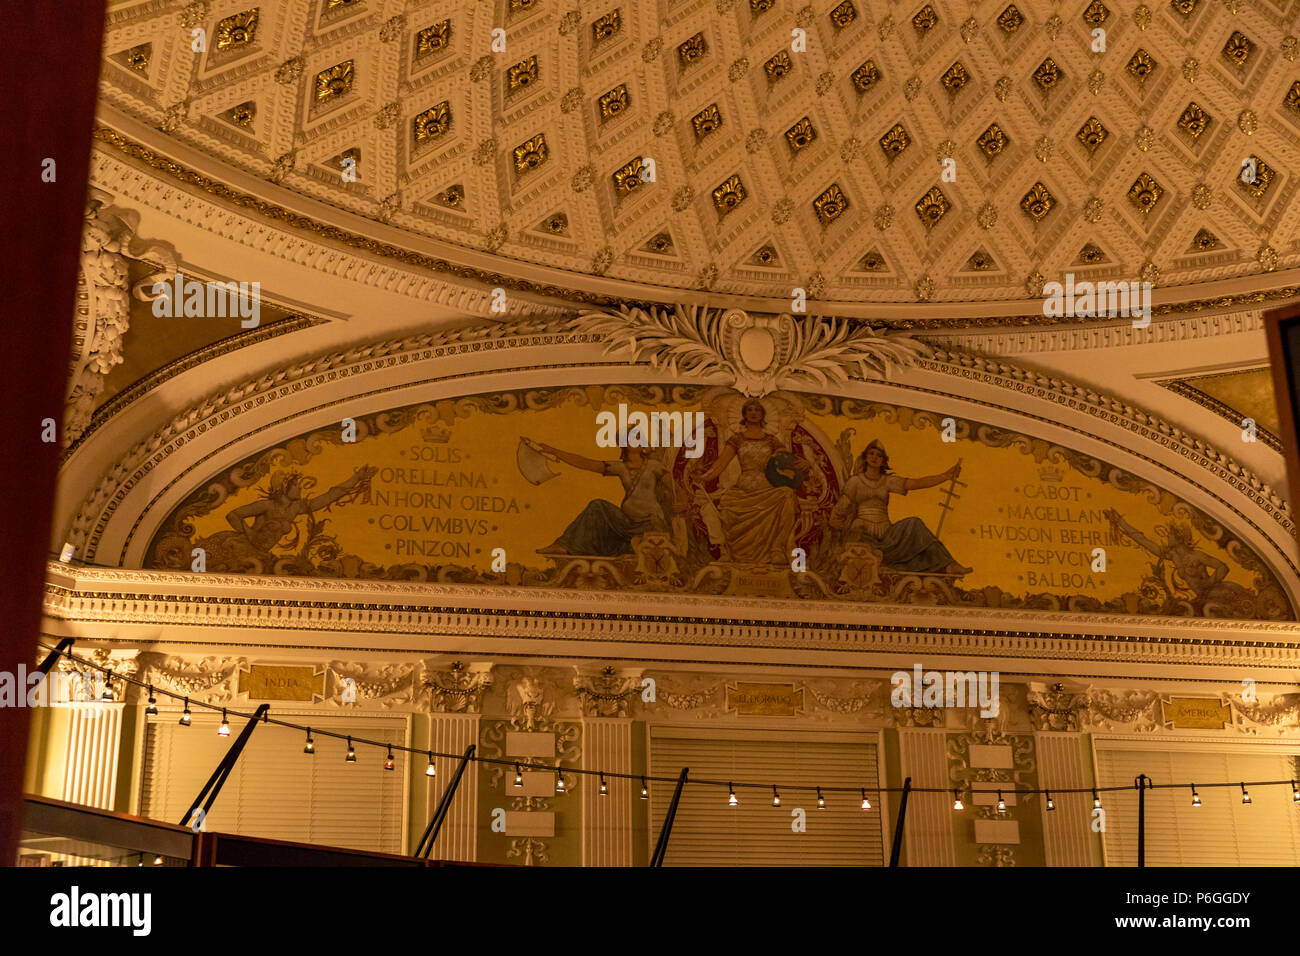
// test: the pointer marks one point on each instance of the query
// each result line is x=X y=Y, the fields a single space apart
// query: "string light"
x=1295 y=792
x=108 y=690
x=776 y=797
x=1051 y=804
x=1196 y=797
x=866 y=804
x=157 y=861
x=1096 y=801
x=152 y=709
x=431 y=770
x=1002 y=804
x=310 y=746
x=559 y=780
x=821 y=801
x=604 y=788
x=731 y=796
x=388 y=762
x=352 y=753
x=645 y=791
x=185 y=717
x=224 y=729
x=1245 y=797
x=956 y=801
x=519 y=775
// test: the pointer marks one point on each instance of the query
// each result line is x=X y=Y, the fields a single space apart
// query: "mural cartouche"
x=792 y=495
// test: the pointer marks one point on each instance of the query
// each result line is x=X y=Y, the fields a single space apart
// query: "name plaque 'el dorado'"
x=1196 y=713
x=282 y=682
x=764 y=700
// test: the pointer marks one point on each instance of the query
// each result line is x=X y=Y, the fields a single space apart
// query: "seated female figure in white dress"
x=862 y=515
x=757 y=517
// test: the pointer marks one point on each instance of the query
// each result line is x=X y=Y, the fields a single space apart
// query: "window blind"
x=277 y=791
x=708 y=832
x=1220 y=832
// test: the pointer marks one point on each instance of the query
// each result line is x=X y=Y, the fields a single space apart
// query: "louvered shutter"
x=707 y=832
x=1220 y=832
x=276 y=790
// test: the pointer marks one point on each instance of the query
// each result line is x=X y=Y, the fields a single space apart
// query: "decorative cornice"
x=1186 y=388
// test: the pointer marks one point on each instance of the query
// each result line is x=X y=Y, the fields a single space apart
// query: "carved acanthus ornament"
x=1055 y=708
x=459 y=689
x=751 y=353
x=1281 y=712
x=1135 y=710
x=606 y=694
x=211 y=679
x=107 y=246
x=527 y=705
x=387 y=685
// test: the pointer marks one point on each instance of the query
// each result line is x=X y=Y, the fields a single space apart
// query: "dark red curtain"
x=49 y=58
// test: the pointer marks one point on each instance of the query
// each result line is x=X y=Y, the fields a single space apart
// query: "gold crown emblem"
x=1051 y=474
x=438 y=432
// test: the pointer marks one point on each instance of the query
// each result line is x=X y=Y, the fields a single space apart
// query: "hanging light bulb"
x=1196 y=797
x=731 y=796
x=431 y=770
x=1051 y=804
x=776 y=797
x=152 y=709
x=645 y=791
x=157 y=861
x=956 y=801
x=519 y=776
x=559 y=780
x=604 y=787
x=821 y=801
x=108 y=687
x=1002 y=804
x=224 y=729
x=1096 y=800
x=1245 y=797
x=866 y=804
x=352 y=753
x=388 y=762
x=185 y=716
x=1295 y=792
x=310 y=746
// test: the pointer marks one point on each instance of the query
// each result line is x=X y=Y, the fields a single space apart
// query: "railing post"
x=1141 y=784
x=227 y=764
x=444 y=805
x=661 y=848
x=897 y=849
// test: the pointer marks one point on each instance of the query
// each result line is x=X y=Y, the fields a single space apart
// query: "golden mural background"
x=438 y=492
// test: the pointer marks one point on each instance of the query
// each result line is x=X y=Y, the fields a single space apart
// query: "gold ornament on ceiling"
x=778 y=66
x=1145 y=193
x=925 y=20
x=1248 y=122
x=237 y=30
x=522 y=74
x=830 y=205
x=800 y=135
x=1184 y=7
x=627 y=177
x=1141 y=65
x=761 y=6
x=1090 y=255
x=433 y=39
x=1238 y=49
x=1194 y=121
x=894 y=141
x=932 y=207
x=1191 y=66
x=661 y=244
x=243 y=114
x=1096 y=80
x=605 y=27
x=1202 y=196
x=843 y=15
x=333 y=5
x=1048 y=75
x=1263 y=179
x=1092 y=134
x=557 y=224
x=432 y=123
x=1095 y=14
x=729 y=194
x=765 y=256
x=522 y=4
x=867 y=75
x=1144 y=138
x=872 y=262
x=692 y=50
x=980 y=261
x=968 y=29
x=531 y=153
x=1037 y=203
x=706 y=121
x=334 y=82
x=452 y=197
x=1010 y=20
x=614 y=102
x=1142 y=16
x=137 y=58
x=1292 y=101
x=955 y=78
x=1204 y=241
x=883 y=217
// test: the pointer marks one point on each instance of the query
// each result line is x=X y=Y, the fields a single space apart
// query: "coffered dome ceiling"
x=773 y=169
